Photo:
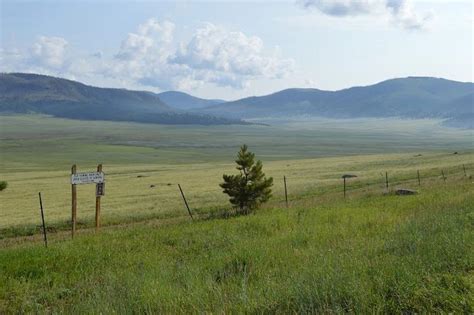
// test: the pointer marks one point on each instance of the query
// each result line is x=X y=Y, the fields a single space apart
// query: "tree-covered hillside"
x=413 y=97
x=32 y=93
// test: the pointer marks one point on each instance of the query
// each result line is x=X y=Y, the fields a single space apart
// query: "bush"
x=250 y=188
x=3 y=185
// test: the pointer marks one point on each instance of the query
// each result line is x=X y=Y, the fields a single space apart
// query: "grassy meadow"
x=38 y=143
x=371 y=252
x=141 y=180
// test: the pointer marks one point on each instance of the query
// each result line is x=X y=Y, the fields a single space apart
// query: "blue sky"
x=233 y=49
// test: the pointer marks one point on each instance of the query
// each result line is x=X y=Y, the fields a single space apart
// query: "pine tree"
x=250 y=188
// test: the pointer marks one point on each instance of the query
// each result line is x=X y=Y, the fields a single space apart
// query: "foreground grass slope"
x=371 y=253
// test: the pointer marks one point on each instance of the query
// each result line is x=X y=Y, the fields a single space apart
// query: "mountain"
x=412 y=97
x=183 y=101
x=33 y=93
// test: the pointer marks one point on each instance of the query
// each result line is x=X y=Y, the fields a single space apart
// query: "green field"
x=377 y=254
x=368 y=253
x=37 y=153
x=44 y=143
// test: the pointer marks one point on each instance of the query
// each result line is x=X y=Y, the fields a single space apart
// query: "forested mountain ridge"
x=33 y=93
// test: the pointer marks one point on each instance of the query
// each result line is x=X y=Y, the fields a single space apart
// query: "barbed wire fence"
x=384 y=182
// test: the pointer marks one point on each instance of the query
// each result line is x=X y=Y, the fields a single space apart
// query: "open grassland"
x=141 y=181
x=367 y=254
x=43 y=143
x=137 y=193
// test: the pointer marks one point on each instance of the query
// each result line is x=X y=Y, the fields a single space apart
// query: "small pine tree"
x=250 y=188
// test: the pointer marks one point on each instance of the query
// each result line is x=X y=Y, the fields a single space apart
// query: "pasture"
x=369 y=252
x=38 y=143
x=144 y=164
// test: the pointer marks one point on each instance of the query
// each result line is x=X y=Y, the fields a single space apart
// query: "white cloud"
x=342 y=7
x=46 y=55
x=151 y=37
x=212 y=55
x=10 y=57
x=401 y=11
x=229 y=58
x=151 y=58
x=152 y=27
x=404 y=15
x=49 y=51
x=135 y=45
x=143 y=57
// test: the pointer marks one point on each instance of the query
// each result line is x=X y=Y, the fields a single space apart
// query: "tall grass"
x=368 y=254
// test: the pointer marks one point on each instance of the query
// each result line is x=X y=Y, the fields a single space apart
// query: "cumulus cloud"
x=150 y=35
x=212 y=55
x=151 y=57
x=230 y=55
x=46 y=55
x=401 y=12
x=152 y=27
x=144 y=56
x=49 y=51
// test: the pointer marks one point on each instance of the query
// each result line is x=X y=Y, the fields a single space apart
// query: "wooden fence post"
x=444 y=177
x=386 y=180
x=419 y=181
x=344 y=187
x=344 y=181
x=464 y=168
x=185 y=202
x=74 y=203
x=97 y=204
x=42 y=220
x=286 y=191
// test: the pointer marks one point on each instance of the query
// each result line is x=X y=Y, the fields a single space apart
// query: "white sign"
x=87 y=178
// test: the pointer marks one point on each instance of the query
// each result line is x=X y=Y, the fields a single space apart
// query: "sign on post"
x=87 y=178
x=97 y=178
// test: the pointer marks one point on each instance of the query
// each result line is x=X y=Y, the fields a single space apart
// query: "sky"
x=234 y=49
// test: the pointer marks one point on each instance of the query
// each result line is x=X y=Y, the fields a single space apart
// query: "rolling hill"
x=32 y=93
x=183 y=101
x=412 y=97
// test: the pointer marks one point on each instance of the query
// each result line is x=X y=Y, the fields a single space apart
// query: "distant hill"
x=32 y=93
x=183 y=101
x=412 y=97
